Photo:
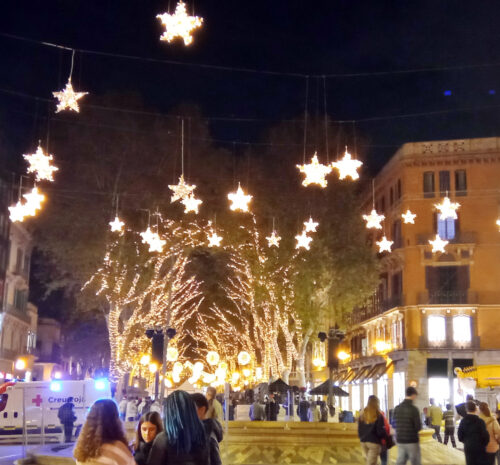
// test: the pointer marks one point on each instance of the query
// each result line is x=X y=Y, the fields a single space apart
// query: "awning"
x=370 y=372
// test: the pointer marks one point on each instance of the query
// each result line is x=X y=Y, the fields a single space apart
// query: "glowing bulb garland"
x=40 y=165
x=239 y=200
x=310 y=225
x=347 y=166
x=373 y=220
x=438 y=244
x=179 y=24
x=315 y=172
x=408 y=217
x=384 y=245
x=303 y=241
x=116 y=225
x=447 y=209
x=68 y=98
x=181 y=190
x=273 y=240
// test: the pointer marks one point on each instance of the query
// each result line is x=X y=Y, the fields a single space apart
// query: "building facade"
x=432 y=311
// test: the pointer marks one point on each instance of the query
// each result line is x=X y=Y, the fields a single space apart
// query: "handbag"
x=389 y=441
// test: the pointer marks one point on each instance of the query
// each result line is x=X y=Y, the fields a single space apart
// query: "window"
x=19 y=260
x=444 y=183
x=382 y=204
x=462 y=333
x=436 y=329
x=428 y=184
x=399 y=388
x=26 y=265
x=391 y=196
x=20 y=299
x=398 y=189
x=446 y=228
x=460 y=183
x=396 y=234
x=355 y=398
x=397 y=285
x=367 y=391
x=382 y=392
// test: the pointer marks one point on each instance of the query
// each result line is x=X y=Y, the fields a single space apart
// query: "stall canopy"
x=322 y=389
x=279 y=386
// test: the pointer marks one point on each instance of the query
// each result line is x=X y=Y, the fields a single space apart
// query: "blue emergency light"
x=56 y=386
x=101 y=384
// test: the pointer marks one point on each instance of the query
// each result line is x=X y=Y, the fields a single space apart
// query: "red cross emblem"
x=37 y=400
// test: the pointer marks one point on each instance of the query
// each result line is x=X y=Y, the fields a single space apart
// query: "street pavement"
x=11 y=452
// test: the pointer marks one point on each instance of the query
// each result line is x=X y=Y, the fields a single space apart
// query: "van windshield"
x=3 y=401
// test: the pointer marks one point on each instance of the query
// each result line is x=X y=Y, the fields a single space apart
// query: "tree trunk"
x=301 y=359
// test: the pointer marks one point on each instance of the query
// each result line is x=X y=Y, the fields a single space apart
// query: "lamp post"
x=334 y=337
x=160 y=339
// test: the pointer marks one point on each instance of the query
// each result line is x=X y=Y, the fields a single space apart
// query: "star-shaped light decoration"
x=17 y=212
x=373 y=220
x=147 y=236
x=181 y=190
x=315 y=172
x=68 y=98
x=191 y=204
x=34 y=201
x=239 y=200
x=348 y=167
x=214 y=240
x=156 y=244
x=384 y=245
x=310 y=225
x=179 y=24
x=303 y=241
x=438 y=244
x=408 y=217
x=116 y=225
x=447 y=209
x=39 y=163
x=273 y=240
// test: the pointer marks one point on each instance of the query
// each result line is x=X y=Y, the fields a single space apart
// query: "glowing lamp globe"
x=145 y=359
x=246 y=372
x=235 y=377
x=244 y=358
x=20 y=364
x=212 y=358
x=198 y=367
x=153 y=368
x=223 y=366
x=172 y=354
x=343 y=355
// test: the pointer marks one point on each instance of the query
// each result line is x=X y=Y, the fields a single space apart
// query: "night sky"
x=368 y=38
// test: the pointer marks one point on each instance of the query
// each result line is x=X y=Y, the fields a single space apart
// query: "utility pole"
x=335 y=337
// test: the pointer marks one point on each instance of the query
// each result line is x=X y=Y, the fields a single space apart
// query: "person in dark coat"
x=272 y=408
x=67 y=417
x=462 y=408
x=150 y=425
x=408 y=423
x=213 y=428
x=184 y=440
x=473 y=433
x=303 y=409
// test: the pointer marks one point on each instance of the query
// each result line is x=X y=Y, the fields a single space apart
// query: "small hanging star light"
x=116 y=225
x=34 y=200
x=373 y=220
x=273 y=240
x=384 y=245
x=310 y=226
x=68 y=98
x=147 y=236
x=303 y=241
x=39 y=163
x=17 y=212
x=447 y=209
x=239 y=200
x=181 y=190
x=438 y=244
x=315 y=172
x=214 y=240
x=179 y=24
x=191 y=204
x=348 y=167
x=156 y=243
x=408 y=217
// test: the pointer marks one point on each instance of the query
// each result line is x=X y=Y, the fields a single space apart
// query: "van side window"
x=5 y=414
x=3 y=401
x=15 y=414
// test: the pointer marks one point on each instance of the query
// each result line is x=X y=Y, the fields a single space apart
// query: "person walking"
x=313 y=414
x=473 y=433
x=272 y=408
x=184 y=440
x=131 y=412
x=67 y=417
x=150 y=425
x=102 y=440
x=256 y=412
x=493 y=429
x=214 y=406
x=408 y=423
x=303 y=409
x=436 y=418
x=449 y=426
x=371 y=430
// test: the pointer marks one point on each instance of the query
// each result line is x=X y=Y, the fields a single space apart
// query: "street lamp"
x=335 y=336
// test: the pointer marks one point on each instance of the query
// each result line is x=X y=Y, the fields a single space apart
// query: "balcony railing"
x=461 y=237
x=456 y=297
x=375 y=307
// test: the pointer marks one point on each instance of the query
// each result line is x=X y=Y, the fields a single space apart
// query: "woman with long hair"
x=184 y=441
x=371 y=430
x=150 y=425
x=102 y=439
x=493 y=429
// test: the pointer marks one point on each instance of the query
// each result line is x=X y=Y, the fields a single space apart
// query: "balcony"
x=456 y=297
x=374 y=308
x=461 y=237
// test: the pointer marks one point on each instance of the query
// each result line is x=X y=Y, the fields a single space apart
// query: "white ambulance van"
x=35 y=405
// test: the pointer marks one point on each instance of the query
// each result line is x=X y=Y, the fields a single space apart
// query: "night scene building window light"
x=180 y=24
x=67 y=97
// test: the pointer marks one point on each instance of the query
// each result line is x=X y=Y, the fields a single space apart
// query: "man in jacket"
x=272 y=408
x=67 y=418
x=257 y=412
x=408 y=423
x=436 y=418
x=449 y=426
x=473 y=433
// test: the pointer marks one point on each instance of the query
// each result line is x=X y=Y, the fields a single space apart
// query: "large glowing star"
x=214 y=240
x=181 y=190
x=116 y=225
x=147 y=236
x=68 y=98
x=384 y=245
x=191 y=204
x=17 y=212
x=180 y=24
x=273 y=240
x=315 y=172
x=408 y=217
x=303 y=241
x=34 y=199
x=348 y=167
x=239 y=200
x=373 y=220
x=447 y=209
x=438 y=244
x=39 y=163
x=310 y=225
